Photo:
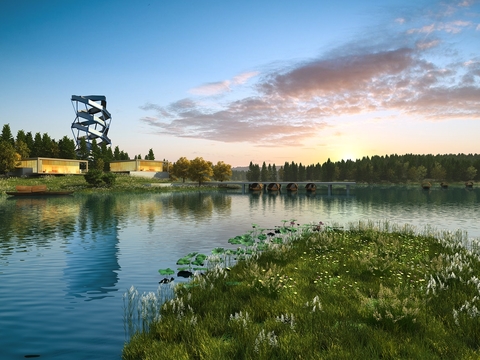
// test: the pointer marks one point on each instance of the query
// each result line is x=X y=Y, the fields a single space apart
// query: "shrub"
x=98 y=178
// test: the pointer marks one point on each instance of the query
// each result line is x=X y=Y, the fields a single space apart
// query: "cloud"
x=407 y=75
x=220 y=87
x=213 y=88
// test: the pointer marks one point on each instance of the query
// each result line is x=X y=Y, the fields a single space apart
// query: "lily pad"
x=262 y=237
x=166 y=271
x=198 y=262
x=184 y=261
x=218 y=251
x=236 y=240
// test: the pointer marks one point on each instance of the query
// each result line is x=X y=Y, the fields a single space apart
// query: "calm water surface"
x=66 y=262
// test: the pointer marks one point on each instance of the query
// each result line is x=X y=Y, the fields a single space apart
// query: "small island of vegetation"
x=369 y=291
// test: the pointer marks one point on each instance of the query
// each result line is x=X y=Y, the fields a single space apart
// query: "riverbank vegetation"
x=367 y=291
x=78 y=183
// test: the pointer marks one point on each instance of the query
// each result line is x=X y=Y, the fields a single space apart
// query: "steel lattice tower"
x=92 y=121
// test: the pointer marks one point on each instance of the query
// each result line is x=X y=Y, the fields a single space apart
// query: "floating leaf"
x=201 y=257
x=278 y=240
x=197 y=262
x=183 y=261
x=262 y=237
x=218 y=251
x=236 y=240
x=200 y=269
x=166 y=271
x=262 y=247
x=192 y=254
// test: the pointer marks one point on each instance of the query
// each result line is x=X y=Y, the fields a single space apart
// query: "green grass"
x=365 y=292
x=77 y=183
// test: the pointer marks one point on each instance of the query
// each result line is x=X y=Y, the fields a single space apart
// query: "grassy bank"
x=123 y=183
x=364 y=292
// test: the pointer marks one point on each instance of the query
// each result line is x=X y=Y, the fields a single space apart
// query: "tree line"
x=25 y=145
x=389 y=168
x=199 y=170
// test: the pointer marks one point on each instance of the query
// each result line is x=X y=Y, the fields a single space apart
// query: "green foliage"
x=180 y=168
x=359 y=293
x=94 y=177
x=200 y=170
x=97 y=178
x=109 y=179
x=8 y=157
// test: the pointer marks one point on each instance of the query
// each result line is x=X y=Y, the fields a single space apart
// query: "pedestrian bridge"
x=245 y=185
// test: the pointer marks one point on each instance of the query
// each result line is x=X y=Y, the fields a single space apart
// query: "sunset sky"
x=242 y=81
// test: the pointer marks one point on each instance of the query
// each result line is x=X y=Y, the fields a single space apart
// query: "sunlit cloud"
x=213 y=88
x=288 y=105
x=219 y=87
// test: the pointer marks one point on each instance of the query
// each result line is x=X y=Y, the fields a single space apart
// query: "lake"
x=66 y=262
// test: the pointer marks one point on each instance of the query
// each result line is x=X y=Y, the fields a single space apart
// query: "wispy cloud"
x=219 y=87
x=291 y=104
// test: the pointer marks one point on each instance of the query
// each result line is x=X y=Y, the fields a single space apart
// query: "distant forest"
x=375 y=169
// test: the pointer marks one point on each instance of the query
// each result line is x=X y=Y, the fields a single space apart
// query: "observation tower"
x=92 y=121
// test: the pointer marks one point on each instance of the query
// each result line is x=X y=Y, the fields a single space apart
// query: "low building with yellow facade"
x=50 y=166
x=144 y=168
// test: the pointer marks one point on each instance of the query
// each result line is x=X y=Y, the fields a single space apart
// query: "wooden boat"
x=292 y=187
x=255 y=186
x=274 y=187
x=36 y=190
x=310 y=187
x=444 y=185
x=469 y=184
x=426 y=185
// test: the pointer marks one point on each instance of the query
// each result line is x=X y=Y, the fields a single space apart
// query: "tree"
x=8 y=157
x=253 y=172
x=150 y=155
x=95 y=155
x=264 y=173
x=37 y=149
x=180 y=168
x=22 y=149
x=222 y=171
x=82 y=151
x=7 y=135
x=200 y=170
x=471 y=172
x=21 y=136
x=421 y=172
x=46 y=146
x=116 y=153
x=438 y=172
x=66 y=148
x=274 y=173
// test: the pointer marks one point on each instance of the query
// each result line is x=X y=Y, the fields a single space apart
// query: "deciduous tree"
x=8 y=157
x=179 y=169
x=200 y=170
x=222 y=171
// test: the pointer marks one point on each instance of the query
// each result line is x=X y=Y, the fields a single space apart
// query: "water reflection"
x=35 y=222
x=91 y=269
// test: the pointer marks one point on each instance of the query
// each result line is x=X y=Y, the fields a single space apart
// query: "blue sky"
x=242 y=81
